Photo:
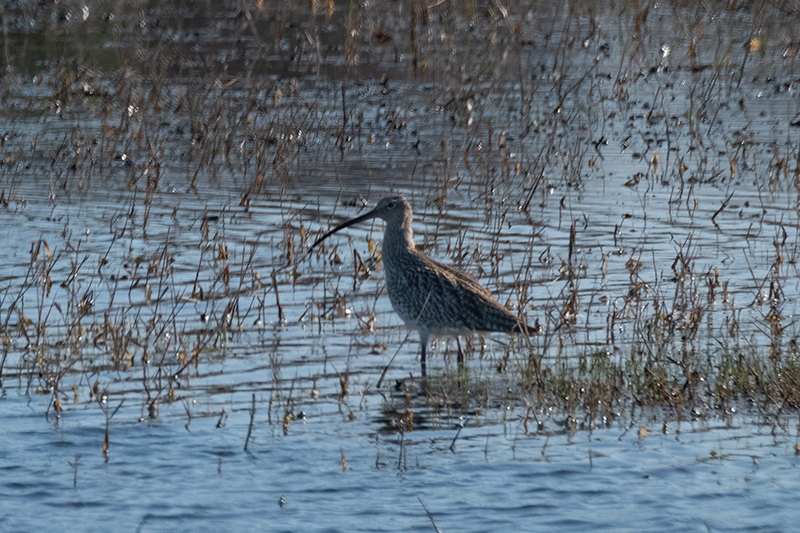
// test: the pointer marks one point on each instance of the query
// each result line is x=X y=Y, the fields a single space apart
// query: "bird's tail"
x=526 y=329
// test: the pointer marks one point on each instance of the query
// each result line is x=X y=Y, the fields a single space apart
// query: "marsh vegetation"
x=624 y=176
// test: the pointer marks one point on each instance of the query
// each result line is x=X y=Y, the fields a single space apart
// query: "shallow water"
x=163 y=323
x=161 y=476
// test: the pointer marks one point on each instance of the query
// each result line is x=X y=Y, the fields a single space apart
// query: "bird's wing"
x=459 y=277
x=461 y=302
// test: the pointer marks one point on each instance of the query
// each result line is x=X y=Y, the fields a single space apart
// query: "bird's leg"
x=460 y=358
x=423 y=340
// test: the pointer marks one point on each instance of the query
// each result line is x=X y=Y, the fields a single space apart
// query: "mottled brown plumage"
x=433 y=298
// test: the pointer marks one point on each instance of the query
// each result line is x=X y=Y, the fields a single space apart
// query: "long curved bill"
x=365 y=216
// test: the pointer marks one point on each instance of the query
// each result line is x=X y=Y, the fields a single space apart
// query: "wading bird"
x=435 y=299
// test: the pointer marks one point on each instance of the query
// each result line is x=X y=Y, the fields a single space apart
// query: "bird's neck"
x=398 y=239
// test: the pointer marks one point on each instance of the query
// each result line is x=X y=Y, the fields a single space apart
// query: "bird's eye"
x=390 y=204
